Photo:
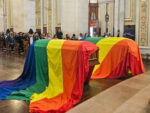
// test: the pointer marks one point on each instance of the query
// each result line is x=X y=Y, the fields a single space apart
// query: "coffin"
x=93 y=59
x=117 y=56
x=53 y=75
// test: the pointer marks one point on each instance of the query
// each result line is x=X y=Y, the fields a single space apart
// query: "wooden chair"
x=1 y=45
x=26 y=46
x=8 y=51
x=16 y=47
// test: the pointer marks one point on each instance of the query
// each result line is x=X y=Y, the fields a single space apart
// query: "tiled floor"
x=11 y=67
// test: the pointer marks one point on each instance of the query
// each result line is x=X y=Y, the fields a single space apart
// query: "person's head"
x=73 y=35
x=47 y=35
x=94 y=33
x=11 y=33
x=55 y=36
x=67 y=35
x=24 y=34
x=129 y=27
x=20 y=34
x=59 y=30
x=30 y=35
x=36 y=34
x=86 y=35
x=81 y=35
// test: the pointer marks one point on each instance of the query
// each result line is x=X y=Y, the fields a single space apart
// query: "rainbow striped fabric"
x=117 y=56
x=53 y=76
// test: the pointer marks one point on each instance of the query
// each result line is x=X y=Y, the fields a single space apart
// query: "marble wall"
x=23 y=15
x=74 y=16
x=17 y=14
x=29 y=15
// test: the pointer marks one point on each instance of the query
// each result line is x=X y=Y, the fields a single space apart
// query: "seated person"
x=73 y=37
x=67 y=37
x=10 y=40
x=80 y=36
x=129 y=33
x=55 y=37
x=59 y=34
x=20 y=39
x=85 y=36
x=36 y=36
x=47 y=36
x=106 y=34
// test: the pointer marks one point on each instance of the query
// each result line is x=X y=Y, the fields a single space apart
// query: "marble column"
x=1 y=16
x=143 y=25
x=49 y=20
x=38 y=15
x=102 y=12
x=121 y=17
x=53 y=17
x=5 y=14
x=111 y=13
x=42 y=15
x=8 y=12
x=29 y=15
x=116 y=18
x=58 y=23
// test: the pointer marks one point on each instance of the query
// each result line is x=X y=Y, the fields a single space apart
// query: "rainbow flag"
x=53 y=77
x=117 y=56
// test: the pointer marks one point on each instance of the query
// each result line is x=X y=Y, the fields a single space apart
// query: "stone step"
x=113 y=98
x=138 y=103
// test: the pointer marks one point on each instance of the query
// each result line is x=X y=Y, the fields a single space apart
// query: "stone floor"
x=118 y=95
x=129 y=96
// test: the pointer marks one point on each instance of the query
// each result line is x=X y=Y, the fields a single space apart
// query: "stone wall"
x=74 y=16
x=23 y=15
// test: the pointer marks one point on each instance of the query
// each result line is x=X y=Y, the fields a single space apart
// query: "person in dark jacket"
x=36 y=36
x=10 y=40
x=59 y=34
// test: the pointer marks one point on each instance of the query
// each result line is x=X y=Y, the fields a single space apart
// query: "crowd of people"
x=11 y=38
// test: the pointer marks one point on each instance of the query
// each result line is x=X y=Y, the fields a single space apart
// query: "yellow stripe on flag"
x=105 y=46
x=55 y=86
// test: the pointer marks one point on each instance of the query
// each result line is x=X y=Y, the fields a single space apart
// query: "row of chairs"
x=7 y=49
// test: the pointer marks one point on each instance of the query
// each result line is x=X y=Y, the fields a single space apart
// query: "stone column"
x=53 y=13
x=116 y=18
x=38 y=15
x=29 y=15
x=143 y=25
x=121 y=17
x=49 y=21
x=58 y=23
x=101 y=13
x=10 y=12
x=42 y=15
x=5 y=14
x=1 y=15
